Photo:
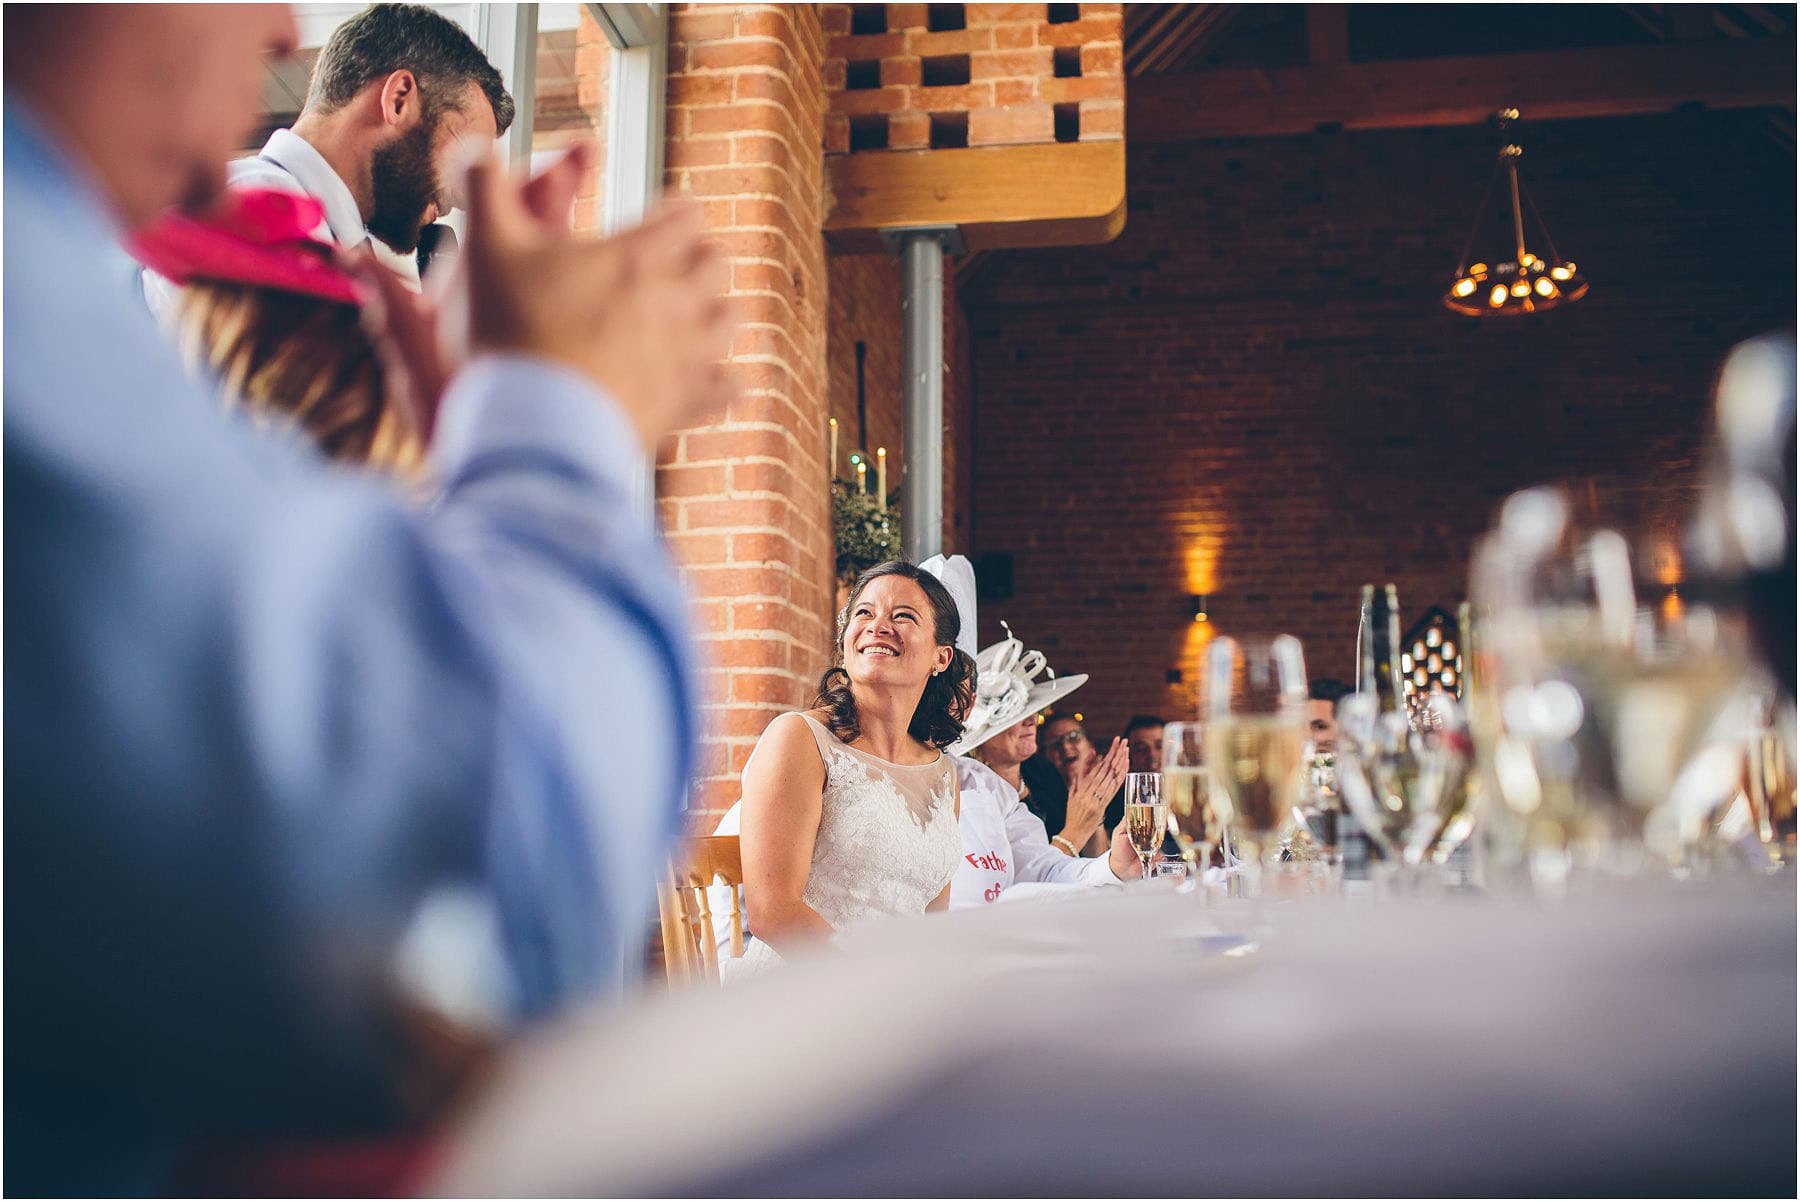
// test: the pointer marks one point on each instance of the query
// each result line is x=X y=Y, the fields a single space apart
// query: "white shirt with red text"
x=1006 y=853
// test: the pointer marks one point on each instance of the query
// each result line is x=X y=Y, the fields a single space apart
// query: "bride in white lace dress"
x=850 y=809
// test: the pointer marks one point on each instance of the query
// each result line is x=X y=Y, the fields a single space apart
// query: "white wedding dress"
x=888 y=840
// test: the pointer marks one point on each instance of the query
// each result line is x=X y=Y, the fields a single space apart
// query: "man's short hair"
x=385 y=38
x=1141 y=721
x=1327 y=689
x=1063 y=716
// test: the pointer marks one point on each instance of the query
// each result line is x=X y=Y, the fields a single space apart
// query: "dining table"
x=1629 y=1038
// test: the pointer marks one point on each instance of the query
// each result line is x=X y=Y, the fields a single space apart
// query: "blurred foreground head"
x=153 y=98
x=1743 y=533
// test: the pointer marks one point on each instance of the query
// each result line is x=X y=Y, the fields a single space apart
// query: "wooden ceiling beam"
x=1613 y=81
x=998 y=197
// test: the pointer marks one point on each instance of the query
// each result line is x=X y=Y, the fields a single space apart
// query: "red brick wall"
x=743 y=501
x=1003 y=80
x=1253 y=393
x=865 y=308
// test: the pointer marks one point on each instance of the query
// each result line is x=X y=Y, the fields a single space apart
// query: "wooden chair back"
x=690 y=947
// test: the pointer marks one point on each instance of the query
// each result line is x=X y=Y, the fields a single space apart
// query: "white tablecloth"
x=1642 y=1042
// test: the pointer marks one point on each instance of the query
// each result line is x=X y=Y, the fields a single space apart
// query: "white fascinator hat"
x=1007 y=688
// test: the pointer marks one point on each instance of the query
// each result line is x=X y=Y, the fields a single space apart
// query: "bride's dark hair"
x=937 y=721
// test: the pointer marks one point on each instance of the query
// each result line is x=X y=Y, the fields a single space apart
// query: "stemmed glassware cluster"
x=1606 y=718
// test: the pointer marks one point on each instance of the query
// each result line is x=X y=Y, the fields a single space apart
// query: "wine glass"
x=1146 y=816
x=1254 y=709
x=1194 y=820
x=1402 y=779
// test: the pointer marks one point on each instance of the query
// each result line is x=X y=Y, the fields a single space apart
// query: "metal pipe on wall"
x=922 y=393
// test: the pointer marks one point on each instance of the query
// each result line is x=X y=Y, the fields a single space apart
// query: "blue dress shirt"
x=257 y=707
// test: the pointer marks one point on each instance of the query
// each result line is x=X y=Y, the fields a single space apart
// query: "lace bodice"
x=888 y=839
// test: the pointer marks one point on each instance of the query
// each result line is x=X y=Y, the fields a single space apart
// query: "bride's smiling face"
x=889 y=638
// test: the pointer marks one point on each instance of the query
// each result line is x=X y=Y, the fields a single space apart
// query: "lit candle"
x=881 y=476
x=862 y=477
x=833 y=473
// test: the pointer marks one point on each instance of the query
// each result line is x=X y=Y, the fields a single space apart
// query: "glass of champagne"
x=1194 y=820
x=1253 y=701
x=1146 y=816
x=1771 y=780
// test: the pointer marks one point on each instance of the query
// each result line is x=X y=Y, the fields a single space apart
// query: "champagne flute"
x=1770 y=772
x=1146 y=816
x=1254 y=707
x=1194 y=820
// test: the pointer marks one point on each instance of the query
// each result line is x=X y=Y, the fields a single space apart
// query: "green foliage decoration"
x=866 y=536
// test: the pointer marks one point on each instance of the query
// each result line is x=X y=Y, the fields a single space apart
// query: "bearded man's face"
x=405 y=181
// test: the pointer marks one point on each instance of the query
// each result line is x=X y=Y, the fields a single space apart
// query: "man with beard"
x=394 y=91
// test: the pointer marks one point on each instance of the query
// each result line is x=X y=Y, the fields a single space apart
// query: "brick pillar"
x=744 y=500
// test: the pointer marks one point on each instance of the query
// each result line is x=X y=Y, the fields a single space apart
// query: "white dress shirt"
x=1006 y=852
x=290 y=163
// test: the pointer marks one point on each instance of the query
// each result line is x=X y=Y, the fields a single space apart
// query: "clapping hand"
x=1091 y=786
x=640 y=314
x=423 y=338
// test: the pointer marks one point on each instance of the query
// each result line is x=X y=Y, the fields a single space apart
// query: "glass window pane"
x=574 y=63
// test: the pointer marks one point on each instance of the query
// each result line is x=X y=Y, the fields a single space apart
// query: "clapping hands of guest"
x=1091 y=787
x=641 y=314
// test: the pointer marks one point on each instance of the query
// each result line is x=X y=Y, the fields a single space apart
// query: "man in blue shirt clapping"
x=257 y=707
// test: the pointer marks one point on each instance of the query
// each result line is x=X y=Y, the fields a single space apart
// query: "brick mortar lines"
x=774 y=165
x=1612 y=389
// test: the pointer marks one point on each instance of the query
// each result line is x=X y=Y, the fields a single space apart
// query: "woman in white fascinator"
x=1006 y=851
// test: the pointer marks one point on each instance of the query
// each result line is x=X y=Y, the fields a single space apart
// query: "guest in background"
x=1041 y=784
x=1144 y=736
x=1005 y=851
x=1322 y=697
x=1068 y=749
x=1082 y=806
x=394 y=91
x=262 y=708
